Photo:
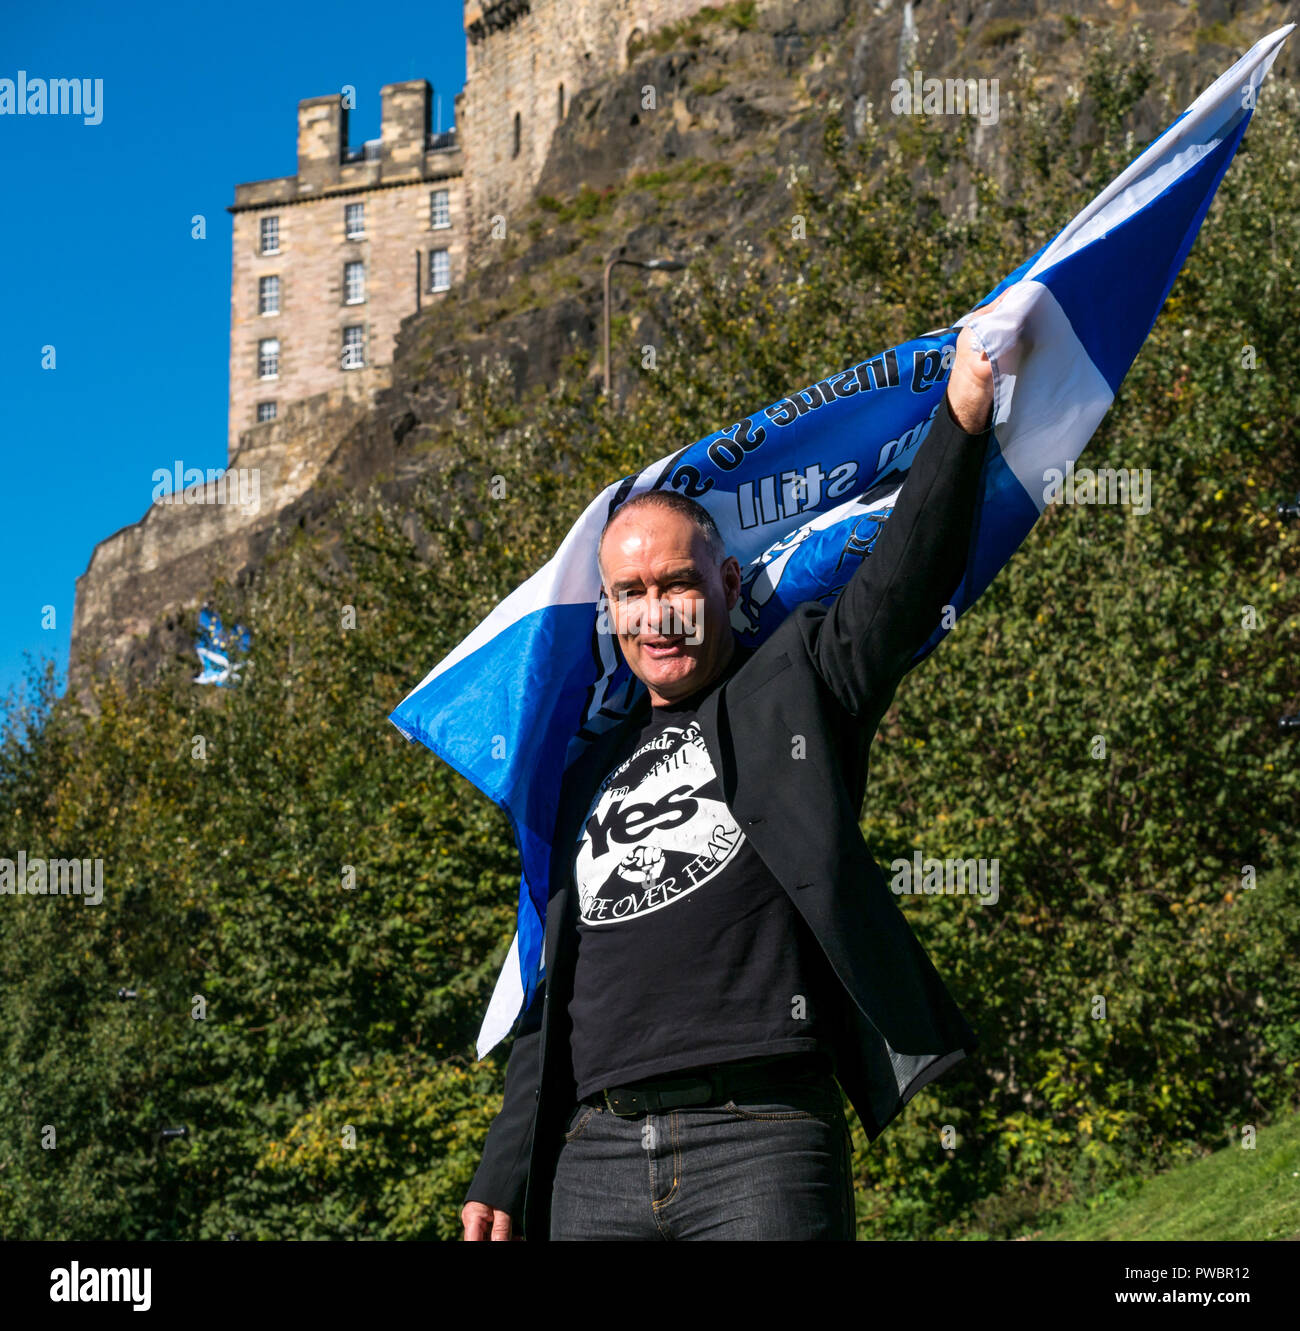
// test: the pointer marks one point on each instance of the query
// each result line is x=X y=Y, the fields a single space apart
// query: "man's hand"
x=483 y=1222
x=970 y=385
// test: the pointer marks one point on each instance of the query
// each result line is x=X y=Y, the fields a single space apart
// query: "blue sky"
x=96 y=233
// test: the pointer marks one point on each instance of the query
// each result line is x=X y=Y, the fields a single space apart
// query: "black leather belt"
x=726 y=1081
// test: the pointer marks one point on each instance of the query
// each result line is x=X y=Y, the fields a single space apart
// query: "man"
x=731 y=949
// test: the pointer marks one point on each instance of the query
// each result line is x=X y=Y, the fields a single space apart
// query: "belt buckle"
x=609 y=1104
x=667 y=1098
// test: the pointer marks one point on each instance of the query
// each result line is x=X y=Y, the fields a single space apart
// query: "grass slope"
x=1231 y=1194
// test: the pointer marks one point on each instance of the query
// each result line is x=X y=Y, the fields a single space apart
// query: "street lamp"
x=1289 y=513
x=655 y=265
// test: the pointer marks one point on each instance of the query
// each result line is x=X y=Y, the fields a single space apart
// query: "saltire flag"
x=215 y=646
x=801 y=488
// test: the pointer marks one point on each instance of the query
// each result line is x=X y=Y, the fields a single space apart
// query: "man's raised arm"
x=494 y=1204
x=895 y=599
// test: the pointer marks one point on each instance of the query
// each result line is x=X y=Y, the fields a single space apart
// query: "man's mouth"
x=657 y=648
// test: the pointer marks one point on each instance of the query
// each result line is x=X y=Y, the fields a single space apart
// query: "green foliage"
x=738 y=16
x=342 y=901
x=1001 y=31
x=710 y=84
x=586 y=204
x=1220 y=33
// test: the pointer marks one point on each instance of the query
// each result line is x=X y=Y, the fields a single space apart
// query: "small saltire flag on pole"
x=800 y=490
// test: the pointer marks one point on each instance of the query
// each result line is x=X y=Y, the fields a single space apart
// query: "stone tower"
x=525 y=60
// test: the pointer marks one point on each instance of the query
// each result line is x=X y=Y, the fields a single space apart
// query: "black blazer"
x=827 y=675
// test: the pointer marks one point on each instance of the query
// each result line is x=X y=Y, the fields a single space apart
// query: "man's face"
x=671 y=592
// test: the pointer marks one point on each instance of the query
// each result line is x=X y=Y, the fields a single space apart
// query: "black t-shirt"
x=690 y=952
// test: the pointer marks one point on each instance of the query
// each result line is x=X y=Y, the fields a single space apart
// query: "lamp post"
x=655 y=265
x=1290 y=513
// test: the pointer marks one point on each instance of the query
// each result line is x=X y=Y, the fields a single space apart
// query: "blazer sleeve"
x=502 y=1175
x=895 y=598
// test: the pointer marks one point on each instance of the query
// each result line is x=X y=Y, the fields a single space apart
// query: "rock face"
x=701 y=162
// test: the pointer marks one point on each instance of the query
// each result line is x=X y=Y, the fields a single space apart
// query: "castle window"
x=268 y=358
x=439 y=270
x=354 y=347
x=354 y=221
x=268 y=295
x=269 y=236
x=354 y=283
x=265 y=411
x=560 y=103
x=440 y=208
x=519 y=130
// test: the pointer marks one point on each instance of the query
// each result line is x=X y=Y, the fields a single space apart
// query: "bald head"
x=671 y=588
x=670 y=501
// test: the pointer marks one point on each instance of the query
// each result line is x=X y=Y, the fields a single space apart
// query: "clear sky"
x=95 y=229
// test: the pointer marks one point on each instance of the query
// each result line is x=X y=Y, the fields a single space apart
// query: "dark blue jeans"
x=777 y=1166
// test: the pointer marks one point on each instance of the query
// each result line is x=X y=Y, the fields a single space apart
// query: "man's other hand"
x=970 y=385
x=483 y=1222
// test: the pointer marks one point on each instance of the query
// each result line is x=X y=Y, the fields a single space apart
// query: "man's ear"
x=731 y=580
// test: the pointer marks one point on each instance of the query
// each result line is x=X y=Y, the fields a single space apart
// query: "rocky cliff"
x=686 y=150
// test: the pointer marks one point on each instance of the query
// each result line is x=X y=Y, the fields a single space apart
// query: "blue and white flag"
x=216 y=645
x=794 y=484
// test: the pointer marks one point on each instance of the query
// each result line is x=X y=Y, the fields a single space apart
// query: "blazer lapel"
x=710 y=724
x=579 y=784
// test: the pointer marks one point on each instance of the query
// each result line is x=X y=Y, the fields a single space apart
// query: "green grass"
x=1232 y=1194
x=689 y=171
x=586 y=204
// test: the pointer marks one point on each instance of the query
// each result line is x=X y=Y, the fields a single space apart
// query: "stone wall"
x=525 y=61
x=170 y=558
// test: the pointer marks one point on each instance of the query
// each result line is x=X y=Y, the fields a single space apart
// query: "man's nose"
x=654 y=614
x=670 y=617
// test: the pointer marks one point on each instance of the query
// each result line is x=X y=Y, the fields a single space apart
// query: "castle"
x=328 y=262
